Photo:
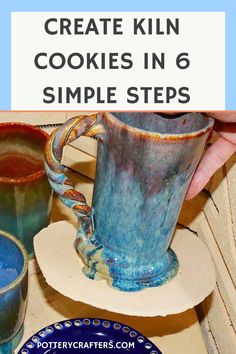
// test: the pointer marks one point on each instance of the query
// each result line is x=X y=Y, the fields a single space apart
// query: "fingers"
x=226 y=130
x=216 y=155
x=223 y=116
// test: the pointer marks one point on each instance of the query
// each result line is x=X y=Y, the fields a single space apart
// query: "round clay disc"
x=62 y=269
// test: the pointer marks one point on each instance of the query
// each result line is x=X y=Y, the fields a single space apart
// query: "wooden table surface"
x=173 y=334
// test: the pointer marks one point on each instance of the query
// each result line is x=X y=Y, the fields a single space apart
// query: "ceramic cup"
x=25 y=194
x=144 y=167
x=13 y=291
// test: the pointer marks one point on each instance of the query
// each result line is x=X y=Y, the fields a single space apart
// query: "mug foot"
x=163 y=273
x=9 y=346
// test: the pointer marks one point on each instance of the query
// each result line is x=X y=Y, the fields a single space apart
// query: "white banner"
x=118 y=61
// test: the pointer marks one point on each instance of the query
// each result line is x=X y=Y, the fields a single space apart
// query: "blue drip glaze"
x=144 y=167
x=12 y=299
x=7 y=276
x=139 y=189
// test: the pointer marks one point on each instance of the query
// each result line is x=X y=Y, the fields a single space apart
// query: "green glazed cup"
x=25 y=194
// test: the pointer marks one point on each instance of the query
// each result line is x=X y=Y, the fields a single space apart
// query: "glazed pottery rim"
x=155 y=135
x=22 y=249
x=33 y=176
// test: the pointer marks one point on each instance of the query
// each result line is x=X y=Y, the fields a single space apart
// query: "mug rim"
x=33 y=176
x=156 y=135
x=24 y=270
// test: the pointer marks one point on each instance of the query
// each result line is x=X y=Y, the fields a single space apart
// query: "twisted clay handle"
x=68 y=132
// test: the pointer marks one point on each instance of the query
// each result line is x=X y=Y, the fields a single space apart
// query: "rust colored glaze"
x=75 y=195
x=140 y=134
x=18 y=166
x=40 y=135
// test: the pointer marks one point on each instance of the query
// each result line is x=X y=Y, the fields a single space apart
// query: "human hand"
x=218 y=153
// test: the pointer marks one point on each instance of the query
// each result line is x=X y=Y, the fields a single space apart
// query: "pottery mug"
x=144 y=166
x=25 y=194
x=13 y=291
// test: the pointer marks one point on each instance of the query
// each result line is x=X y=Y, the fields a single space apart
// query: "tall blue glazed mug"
x=144 y=167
